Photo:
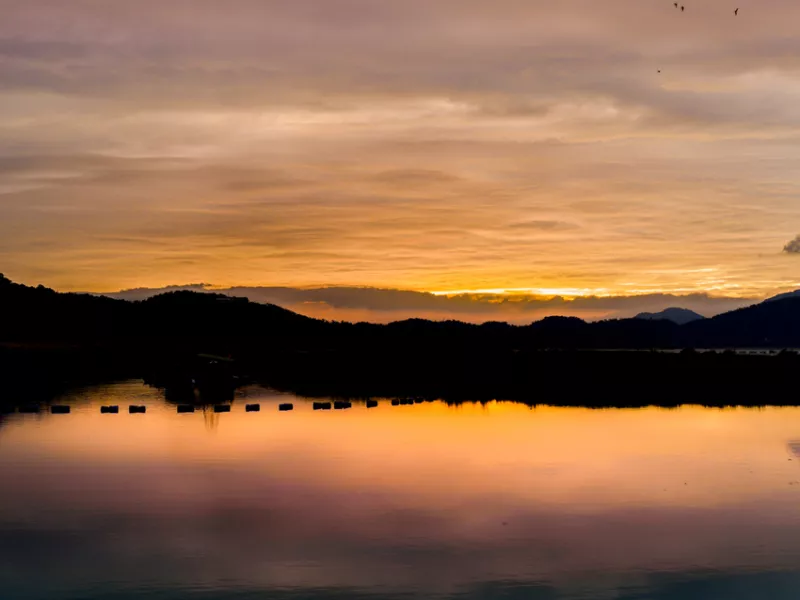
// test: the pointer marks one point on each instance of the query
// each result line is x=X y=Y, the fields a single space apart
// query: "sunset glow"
x=566 y=149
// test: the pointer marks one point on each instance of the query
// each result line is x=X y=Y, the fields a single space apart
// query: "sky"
x=570 y=149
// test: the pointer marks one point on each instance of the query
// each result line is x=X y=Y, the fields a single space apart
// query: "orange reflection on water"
x=423 y=497
x=428 y=452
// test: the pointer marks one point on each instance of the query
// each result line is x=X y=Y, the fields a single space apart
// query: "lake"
x=472 y=501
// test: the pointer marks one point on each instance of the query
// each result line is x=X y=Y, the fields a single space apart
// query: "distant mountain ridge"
x=220 y=323
x=680 y=316
x=384 y=305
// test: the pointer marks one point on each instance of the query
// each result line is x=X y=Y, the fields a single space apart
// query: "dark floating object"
x=419 y=400
x=253 y=407
x=372 y=403
x=185 y=408
x=395 y=402
x=30 y=409
x=7 y=410
x=322 y=405
x=286 y=406
x=59 y=409
x=220 y=408
x=109 y=410
x=406 y=401
x=137 y=410
x=341 y=405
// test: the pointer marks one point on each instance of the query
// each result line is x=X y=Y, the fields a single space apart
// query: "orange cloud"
x=455 y=146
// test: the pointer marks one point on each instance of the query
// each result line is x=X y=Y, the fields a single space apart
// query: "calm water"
x=423 y=501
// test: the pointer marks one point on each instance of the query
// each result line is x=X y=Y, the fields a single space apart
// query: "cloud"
x=793 y=247
x=543 y=225
x=403 y=145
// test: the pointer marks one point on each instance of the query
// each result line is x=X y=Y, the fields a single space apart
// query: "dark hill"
x=49 y=337
x=773 y=324
x=681 y=316
x=219 y=323
x=794 y=294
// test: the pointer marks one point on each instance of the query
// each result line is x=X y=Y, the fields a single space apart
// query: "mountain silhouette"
x=774 y=324
x=680 y=316
x=52 y=339
x=220 y=323
x=794 y=294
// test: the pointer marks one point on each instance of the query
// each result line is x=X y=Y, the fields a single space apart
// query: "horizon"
x=384 y=305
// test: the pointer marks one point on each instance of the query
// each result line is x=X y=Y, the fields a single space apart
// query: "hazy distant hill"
x=379 y=305
x=676 y=315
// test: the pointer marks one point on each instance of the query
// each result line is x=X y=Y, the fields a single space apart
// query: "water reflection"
x=421 y=501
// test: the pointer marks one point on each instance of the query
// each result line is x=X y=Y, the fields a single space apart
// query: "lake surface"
x=424 y=501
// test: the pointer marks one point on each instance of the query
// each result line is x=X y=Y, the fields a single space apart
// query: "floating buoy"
x=406 y=401
x=185 y=408
x=322 y=405
x=341 y=405
x=133 y=409
x=252 y=408
x=395 y=402
x=220 y=408
x=59 y=409
x=286 y=406
x=109 y=410
x=30 y=409
x=372 y=403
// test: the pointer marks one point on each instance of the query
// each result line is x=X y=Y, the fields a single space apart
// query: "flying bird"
x=736 y=12
x=683 y=8
x=676 y=4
